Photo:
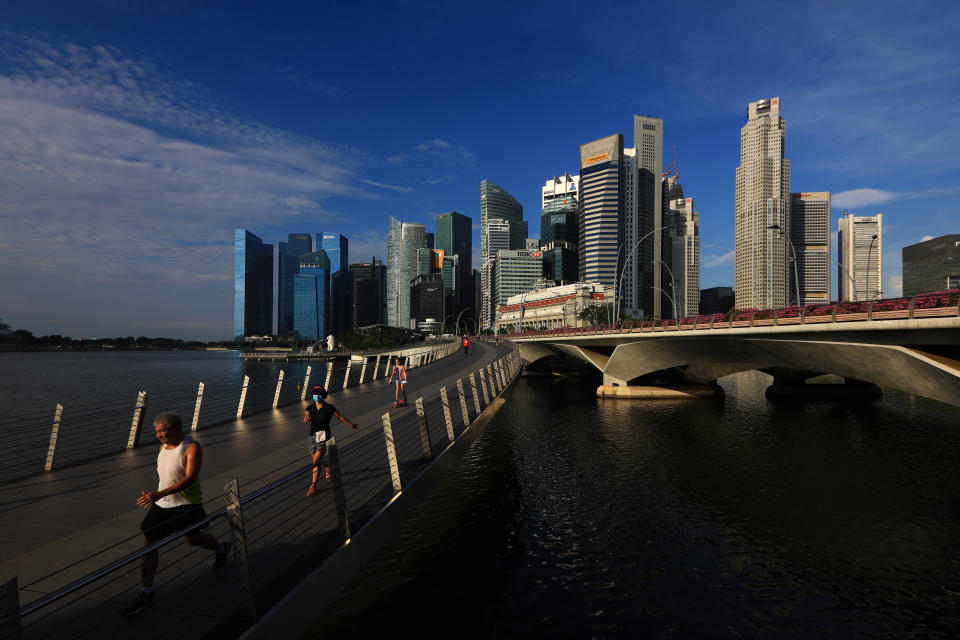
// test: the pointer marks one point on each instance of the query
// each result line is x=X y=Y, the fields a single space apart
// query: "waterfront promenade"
x=85 y=516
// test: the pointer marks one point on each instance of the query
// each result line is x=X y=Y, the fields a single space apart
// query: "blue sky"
x=135 y=136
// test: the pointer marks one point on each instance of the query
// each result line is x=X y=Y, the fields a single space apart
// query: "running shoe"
x=312 y=491
x=141 y=602
x=221 y=558
x=328 y=476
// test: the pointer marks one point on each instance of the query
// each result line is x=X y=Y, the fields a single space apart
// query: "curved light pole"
x=673 y=287
x=866 y=285
x=520 y=317
x=846 y=272
x=672 y=300
x=456 y=323
x=796 y=278
x=625 y=261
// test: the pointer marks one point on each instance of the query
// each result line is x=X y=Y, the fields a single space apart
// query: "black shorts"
x=160 y=523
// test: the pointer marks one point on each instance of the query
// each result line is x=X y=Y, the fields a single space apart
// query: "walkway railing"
x=279 y=535
x=938 y=304
x=70 y=433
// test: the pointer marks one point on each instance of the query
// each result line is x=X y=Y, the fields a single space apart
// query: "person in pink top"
x=401 y=373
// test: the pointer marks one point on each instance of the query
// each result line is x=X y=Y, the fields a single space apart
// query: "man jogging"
x=466 y=344
x=401 y=373
x=175 y=505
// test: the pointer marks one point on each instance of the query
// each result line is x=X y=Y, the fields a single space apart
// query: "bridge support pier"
x=849 y=388
x=660 y=393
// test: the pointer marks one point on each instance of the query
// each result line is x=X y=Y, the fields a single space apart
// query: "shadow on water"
x=576 y=516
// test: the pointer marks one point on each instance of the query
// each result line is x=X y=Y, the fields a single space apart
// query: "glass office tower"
x=296 y=245
x=455 y=238
x=311 y=297
x=252 y=286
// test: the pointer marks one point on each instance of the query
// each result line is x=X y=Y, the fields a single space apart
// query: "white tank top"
x=170 y=471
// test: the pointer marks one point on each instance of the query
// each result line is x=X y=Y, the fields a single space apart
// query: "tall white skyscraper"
x=860 y=254
x=600 y=214
x=762 y=210
x=810 y=233
x=404 y=239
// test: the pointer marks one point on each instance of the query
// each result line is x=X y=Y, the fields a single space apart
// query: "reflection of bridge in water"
x=913 y=349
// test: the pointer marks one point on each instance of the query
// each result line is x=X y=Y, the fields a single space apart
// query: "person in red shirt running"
x=466 y=344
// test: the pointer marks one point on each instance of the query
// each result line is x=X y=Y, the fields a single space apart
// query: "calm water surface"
x=573 y=516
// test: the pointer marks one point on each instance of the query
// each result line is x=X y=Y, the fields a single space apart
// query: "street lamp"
x=796 y=278
x=457 y=322
x=673 y=286
x=866 y=285
x=846 y=272
x=520 y=317
x=672 y=300
x=625 y=261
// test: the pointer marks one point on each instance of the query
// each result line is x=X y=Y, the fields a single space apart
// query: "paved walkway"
x=57 y=518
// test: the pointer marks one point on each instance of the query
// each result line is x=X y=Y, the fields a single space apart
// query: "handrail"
x=908 y=305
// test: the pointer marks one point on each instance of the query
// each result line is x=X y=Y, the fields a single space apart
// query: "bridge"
x=912 y=344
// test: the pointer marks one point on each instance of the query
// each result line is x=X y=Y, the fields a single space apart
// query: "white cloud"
x=857 y=198
x=925 y=238
x=894 y=287
x=439 y=148
x=717 y=261
x=118 y=179
x=386 y=186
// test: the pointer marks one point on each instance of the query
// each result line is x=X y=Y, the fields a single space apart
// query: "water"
x=98 y=391
x=574 y=516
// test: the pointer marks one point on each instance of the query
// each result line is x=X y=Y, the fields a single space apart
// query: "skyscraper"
x=368 y=285
x=290 y=251
x=564 y=187
x=455 y=238
x=403 y=241
x=932 y=265
x=496 y=203
x=252 y=285
x=558 y=239
x=337 y=247
x=762 y=201
x=810 y=234
x=495 y=236
x=311 y=297
x=643 y=293
x=600 y=214
x=860 y=257
x=683 y=228
x=514 y=272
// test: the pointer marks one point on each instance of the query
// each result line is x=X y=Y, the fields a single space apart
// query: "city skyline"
x=133 y=144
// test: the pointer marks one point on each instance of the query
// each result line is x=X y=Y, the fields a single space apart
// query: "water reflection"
x=587 y=517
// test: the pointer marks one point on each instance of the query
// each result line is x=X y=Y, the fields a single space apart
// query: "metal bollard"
x=446 y=413
x=346 y=376
x=306 y=384
x=326 y=384
x=463 y=403
x=424 y=431
x=243 y=396
x=391 y=453
x=137 y=424
x=11 y=628
x=363 y=370
x=196 y=409
x=54 y=434
x=476 y=395
x=238 y=535
x=503 y=379
x=339 y=496
x=376 y=368
x=276 y=396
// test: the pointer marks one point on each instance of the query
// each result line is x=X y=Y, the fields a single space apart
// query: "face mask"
x=316 y=398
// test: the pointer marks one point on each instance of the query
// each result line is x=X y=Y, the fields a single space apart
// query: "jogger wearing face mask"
x=318 y=416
